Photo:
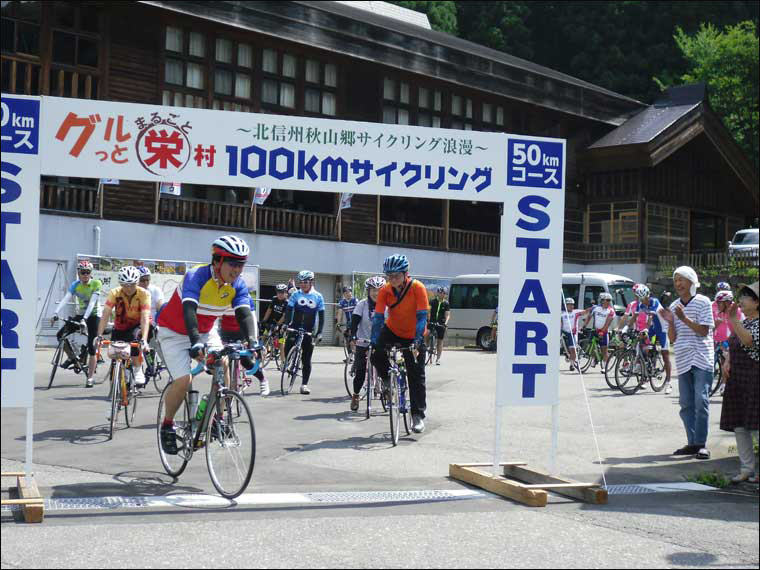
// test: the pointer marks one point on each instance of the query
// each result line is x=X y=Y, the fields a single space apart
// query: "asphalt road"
x=313 y=444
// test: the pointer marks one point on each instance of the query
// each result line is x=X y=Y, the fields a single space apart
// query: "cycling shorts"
x=569 y=340
x=175 y=348
x=662 y=338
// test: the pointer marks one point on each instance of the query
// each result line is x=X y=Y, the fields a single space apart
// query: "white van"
x=473 y=299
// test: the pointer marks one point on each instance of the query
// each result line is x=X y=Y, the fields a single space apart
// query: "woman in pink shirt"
x=723 y=327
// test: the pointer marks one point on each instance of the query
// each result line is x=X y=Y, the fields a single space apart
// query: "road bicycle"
x=155 y=369
x=635 y=367
x=68 y=345
x=564 y=351
x=348 y=349
x=397 y=395
x=590 y=353
x=123 y=390
x=224 y=427
x=619 y=343
x=293 y=363
x=373 y=386
x=349 y=372
x=272 y=343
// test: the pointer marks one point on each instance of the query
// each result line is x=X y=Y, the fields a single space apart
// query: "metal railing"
x=74 y=198
x=480 y=243
x=410 y=234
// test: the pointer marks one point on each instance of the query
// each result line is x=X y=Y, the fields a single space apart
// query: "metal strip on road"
x=256 y=499
x=347 y=498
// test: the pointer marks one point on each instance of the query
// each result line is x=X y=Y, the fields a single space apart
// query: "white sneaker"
x=668 y=388
x=90 y=382
x=305 y=389
x=264 y=386
x=139 y=378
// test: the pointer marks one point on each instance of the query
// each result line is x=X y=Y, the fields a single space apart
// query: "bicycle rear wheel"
x=349 y=372
x=717 y=375
x=56 y=362
x=174 y=465
x=405 y=405
x=584 y=354
x=657 y=378
x=432 y=346
x=290 y=371
x=230 y=445
x=393 y=409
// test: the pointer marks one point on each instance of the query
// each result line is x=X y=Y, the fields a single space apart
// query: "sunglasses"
x=303 y=282
x=235 y=264
x=394 y=275
x=84 y=272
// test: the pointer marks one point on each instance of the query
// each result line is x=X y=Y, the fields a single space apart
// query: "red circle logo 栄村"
x=163 y=149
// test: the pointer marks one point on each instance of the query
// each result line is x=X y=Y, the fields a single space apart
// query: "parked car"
x=744 y=241
x=473 y=299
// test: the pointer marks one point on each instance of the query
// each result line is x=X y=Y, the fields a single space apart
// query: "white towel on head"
x=688 y=273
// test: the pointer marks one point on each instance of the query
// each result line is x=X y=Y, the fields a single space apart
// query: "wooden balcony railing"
x=24 y=77
x=72 y=198
x=602 y=252
x=474 y=242
x=408 y=234
x=294 y=222
x=205 y=213
x=710 y=259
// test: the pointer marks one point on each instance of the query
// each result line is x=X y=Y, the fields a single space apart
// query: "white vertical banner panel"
x=20 y=236
x=530 y=280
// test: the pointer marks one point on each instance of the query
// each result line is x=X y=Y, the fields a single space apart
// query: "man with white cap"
x=690 y=332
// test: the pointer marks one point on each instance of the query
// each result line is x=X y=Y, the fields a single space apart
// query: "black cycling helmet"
x=281 y=288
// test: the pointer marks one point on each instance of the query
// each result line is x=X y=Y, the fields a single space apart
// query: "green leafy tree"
x=442 y=15
x=498 y=25
x=728 y=62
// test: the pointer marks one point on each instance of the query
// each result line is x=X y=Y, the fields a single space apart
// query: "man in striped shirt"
x=690 y=332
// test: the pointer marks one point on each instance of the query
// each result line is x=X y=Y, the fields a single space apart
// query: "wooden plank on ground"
x=591 y=494
x=27 y=489
x=499 y=485
x=13 y=474
x=489 y=464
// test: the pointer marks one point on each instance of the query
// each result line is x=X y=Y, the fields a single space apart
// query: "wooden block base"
x=524 y=485
x=29 y=498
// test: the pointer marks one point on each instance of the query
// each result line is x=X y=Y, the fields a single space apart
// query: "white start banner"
x=20 y=236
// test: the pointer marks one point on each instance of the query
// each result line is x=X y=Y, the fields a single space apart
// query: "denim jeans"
x=694 y=397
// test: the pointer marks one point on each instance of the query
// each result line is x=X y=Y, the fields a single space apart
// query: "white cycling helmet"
x=129 y=275
x=643 y=292
x=569 y=301
x=724 y=296
x=605 y=297
x=375 y=282
x=230 y=246
x=306 y=275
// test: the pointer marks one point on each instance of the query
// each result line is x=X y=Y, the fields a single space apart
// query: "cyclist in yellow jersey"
x=131 y=307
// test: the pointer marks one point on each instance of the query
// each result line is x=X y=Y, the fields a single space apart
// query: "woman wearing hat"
x=741 y=399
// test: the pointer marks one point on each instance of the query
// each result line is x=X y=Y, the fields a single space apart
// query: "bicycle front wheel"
x=657 y=379
x=129 y=394
x=349 y=372
x=174 y=465
x=394 y=410
x=628 y=372
x=584 y=355
x=230 y=445
x=609 y=369
x=56 y=362
x=115 y=395
x=290 y=371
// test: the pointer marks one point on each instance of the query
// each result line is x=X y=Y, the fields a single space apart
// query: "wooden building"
x=643 y=181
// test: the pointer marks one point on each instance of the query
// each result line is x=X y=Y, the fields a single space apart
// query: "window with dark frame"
x=185 y=66
x=321 y=82
x=233 y=75
x=278 y=90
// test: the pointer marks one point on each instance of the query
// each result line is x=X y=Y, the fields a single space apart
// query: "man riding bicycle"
x=361 y=331
x=275 y=313
x=440 y=311
x=304 y=307
x=407 y=302
x=131 y=318
x=347 y=305
x=657 y=327
x=86 y=291
x=602 y=316
x=187 y=321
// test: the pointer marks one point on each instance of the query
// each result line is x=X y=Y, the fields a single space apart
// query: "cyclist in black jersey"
x=276 y=311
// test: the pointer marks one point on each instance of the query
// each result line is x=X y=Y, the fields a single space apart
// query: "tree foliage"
x=442 y=15
x=728 y=62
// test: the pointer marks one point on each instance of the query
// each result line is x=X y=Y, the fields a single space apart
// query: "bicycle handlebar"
x=300 y=331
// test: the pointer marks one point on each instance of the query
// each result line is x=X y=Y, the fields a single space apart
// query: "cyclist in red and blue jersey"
x=657 y=327
x=187 y=321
